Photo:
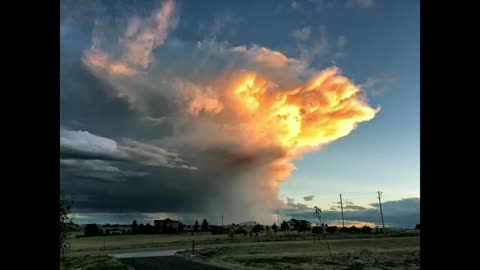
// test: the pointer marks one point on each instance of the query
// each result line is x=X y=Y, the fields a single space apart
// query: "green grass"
x=161 y=240
x=376 y=253
x=94 y=263
x=140 y=241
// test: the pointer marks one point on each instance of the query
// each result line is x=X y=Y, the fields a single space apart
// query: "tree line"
x=292 y=225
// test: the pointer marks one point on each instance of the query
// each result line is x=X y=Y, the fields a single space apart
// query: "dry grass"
x=162 y=240
x=395 y=253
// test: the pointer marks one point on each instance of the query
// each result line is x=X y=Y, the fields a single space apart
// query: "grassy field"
x=94 y=263
x=140 y=241
x=162 y=240
x=374 y=253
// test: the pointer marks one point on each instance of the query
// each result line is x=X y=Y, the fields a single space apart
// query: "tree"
x=204 y=226
x=317 y=229
x=354 y=229
x=257 y=228
x=267 y=228
x=331 y=229
x=65 y=220
x=366 y=229
x=217 y=229
x=241 y=230
x=92 y=230
x=284 y=226
x=274 y=227
x=181 y=227
x=195 y=227
x=231 y=232
x=141 y=228
x=301 y=225
x=134 y=227
x=149 y=228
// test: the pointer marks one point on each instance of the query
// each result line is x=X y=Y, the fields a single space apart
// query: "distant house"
x=291 y=224
x=165 y=223
x=299 y=224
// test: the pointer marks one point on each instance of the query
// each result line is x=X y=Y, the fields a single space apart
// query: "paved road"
x=166 y=263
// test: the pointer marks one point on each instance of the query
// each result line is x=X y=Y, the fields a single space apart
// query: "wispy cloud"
x=309 y=197
x=301 y=34
x=224 y=22
x=341 y=41
x=316 y=49
x=380 y=78
x=296 y=5
x=140 y=38
x=360 y=4
x=354 y=207
x=377 y=91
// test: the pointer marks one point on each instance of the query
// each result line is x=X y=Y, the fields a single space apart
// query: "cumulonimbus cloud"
x=242 y=112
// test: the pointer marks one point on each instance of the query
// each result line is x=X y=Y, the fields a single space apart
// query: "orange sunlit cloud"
x=305 y=117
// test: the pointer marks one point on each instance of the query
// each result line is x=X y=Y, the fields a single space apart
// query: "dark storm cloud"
x=96 y=170
x=401 y=213
x=162 y=190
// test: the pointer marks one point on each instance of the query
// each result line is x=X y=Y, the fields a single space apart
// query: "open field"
x=140 y=241
x=117 y=242
x=102 y=262
x=374 y=253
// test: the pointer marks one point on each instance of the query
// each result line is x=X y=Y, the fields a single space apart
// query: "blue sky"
x=375 y=44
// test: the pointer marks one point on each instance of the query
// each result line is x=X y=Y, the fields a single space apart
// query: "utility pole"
x=222 y=220
x=341 y=207
x=381 y=212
